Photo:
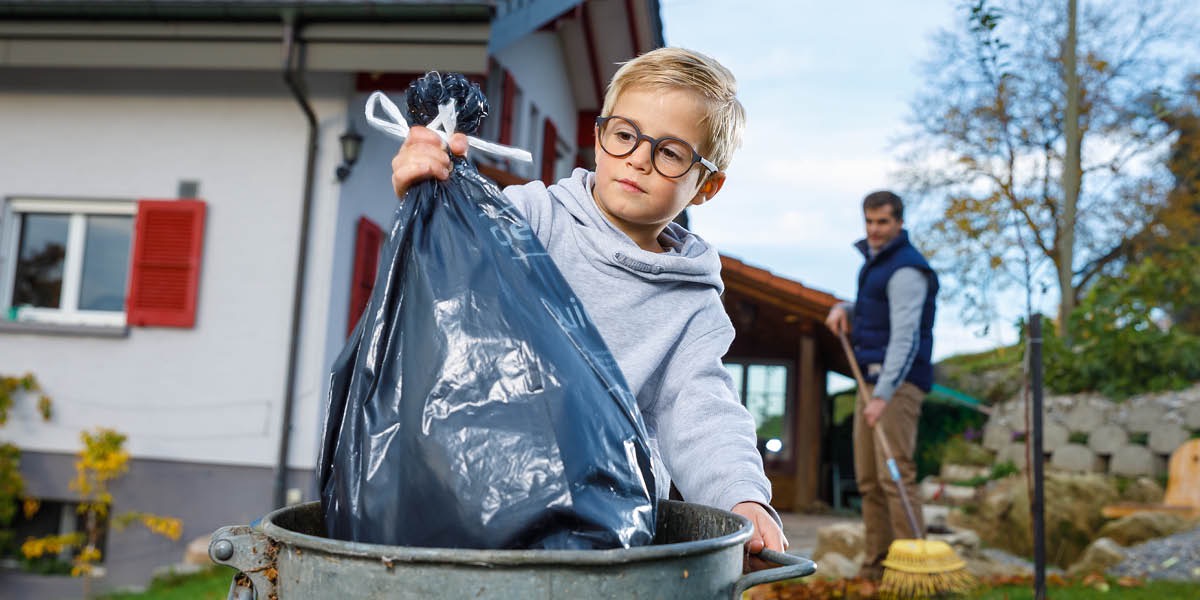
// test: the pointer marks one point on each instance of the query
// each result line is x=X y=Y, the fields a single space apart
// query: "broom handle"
x=893 y=470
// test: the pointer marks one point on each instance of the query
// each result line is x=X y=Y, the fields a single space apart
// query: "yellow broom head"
x=923 y=569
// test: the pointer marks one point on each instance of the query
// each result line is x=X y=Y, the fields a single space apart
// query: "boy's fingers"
x=459 y=144
x=419 y=134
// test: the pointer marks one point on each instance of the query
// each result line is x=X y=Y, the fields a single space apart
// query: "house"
x=184 y=244
x=781 y=358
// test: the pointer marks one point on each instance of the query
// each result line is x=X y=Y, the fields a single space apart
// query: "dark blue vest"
x=872 y=319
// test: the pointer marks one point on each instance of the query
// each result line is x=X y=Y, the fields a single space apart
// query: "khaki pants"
x=883 y=514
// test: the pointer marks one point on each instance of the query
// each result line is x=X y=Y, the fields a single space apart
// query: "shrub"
x=1122 y=341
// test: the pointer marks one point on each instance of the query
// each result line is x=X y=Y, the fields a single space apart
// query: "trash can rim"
x=413 y=554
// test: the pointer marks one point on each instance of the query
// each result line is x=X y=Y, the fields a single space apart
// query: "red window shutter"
x=509 y=93
x=367 y=243
x=164 y=278
x=549 y=151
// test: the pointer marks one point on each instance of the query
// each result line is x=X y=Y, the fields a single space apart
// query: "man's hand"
x=767 y=534
x=874 y=410
x=423 y=156
x=838 y=321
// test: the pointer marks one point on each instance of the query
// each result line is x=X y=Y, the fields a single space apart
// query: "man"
x=891 y=326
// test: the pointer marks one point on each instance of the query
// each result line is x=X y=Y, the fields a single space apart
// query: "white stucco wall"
x=212 y=393
x=536 y=62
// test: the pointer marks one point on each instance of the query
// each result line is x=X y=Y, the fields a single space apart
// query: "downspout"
x=293 y=75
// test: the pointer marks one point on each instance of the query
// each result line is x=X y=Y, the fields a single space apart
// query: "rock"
x=1076 y=458
x=1106 y=439
x=946 y=493
x=992 y=562
x=1054 y=436
x=935 y=516
x=1013 y=452
x=1139 y=527
x=1191 y=416
x=1134 y=461
x=185 y=568
x=843 y=538
x=835 y=566
x=1072 y=514
x=1087 y=416
x=196 y=552
x=1175 y=558
x=1097 y=558
x=1166 y=437
x=1144 y=490
x=996 y=434
x=955 y=473
x=1144 y=417
x=958 y=495
x=964 y=541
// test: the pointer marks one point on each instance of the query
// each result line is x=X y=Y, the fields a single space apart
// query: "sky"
x=826 y=86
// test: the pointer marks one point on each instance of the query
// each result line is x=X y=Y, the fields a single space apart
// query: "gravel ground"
x=1175 y=558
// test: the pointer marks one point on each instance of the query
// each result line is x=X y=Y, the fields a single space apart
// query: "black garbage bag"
x=474 y=406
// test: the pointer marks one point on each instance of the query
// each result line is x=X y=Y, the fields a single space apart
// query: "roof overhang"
x=596 y=36
x=806 y=304
x=248 y=10
x=338 y=36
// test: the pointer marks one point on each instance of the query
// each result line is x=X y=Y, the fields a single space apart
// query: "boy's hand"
x=837 y=321
x=767 y=534
x=423 y=156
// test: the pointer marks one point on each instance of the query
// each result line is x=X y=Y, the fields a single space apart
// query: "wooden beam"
x=807 y=427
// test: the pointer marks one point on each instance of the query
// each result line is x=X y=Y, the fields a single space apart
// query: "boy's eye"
x=671 y=150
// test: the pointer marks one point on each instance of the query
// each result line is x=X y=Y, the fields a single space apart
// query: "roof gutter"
x=245 y=11
x=293 y=76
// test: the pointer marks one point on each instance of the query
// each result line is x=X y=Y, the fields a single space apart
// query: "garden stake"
x=914 y=568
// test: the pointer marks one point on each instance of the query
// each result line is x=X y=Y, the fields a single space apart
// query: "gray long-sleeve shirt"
x=662 y=318
x=906 y=292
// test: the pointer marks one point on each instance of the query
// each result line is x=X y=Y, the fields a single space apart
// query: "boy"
x=670 y=123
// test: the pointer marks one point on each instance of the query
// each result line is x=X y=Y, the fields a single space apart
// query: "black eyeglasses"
x=671 y=156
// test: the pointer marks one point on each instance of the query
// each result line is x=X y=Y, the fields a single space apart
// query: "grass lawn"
x=1153 y=590
x=212 y=584
x=1010 y=589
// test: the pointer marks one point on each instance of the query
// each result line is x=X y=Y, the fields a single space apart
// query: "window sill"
x=73 y=330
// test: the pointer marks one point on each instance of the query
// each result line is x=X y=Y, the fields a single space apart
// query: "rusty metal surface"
x=697 y=554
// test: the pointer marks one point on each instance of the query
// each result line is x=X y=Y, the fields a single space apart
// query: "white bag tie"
x=443 y=125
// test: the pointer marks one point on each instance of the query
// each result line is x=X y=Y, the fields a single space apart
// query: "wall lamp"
x=351 y=144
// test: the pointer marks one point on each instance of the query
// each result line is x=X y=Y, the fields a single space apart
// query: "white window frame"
x=68 y=312
x=786 y=454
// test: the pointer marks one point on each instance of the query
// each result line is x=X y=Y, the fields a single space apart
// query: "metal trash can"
x=697 y=553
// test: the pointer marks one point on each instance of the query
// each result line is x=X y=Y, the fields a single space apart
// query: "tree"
x=1174 y=230
x=988 y=149
x=101 y=461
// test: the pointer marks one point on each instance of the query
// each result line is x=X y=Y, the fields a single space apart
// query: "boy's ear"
x=709 y=188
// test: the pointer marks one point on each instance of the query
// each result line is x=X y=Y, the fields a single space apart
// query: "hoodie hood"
x=689 y=258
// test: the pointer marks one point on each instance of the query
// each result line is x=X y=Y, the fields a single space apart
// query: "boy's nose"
x=642 y=155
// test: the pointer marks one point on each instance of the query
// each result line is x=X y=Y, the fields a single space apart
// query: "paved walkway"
x=801 y=529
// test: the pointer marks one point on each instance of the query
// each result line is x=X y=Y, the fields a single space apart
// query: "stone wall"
x=1088 y=433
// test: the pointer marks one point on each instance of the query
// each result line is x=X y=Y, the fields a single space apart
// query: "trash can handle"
x=250 y=552
x=793 y=566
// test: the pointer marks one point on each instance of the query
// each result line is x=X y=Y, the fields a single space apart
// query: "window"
x=52 y=518
x=765 y=389
x=92 y=263
x=67 y=261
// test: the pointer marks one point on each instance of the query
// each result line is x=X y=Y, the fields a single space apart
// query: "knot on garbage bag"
x=430 y=91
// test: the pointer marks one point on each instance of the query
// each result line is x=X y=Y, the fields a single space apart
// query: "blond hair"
x=690 y=71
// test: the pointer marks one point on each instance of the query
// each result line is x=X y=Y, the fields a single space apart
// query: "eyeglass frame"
x=696 y=157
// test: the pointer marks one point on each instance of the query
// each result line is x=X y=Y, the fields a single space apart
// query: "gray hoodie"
x=662 y=318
